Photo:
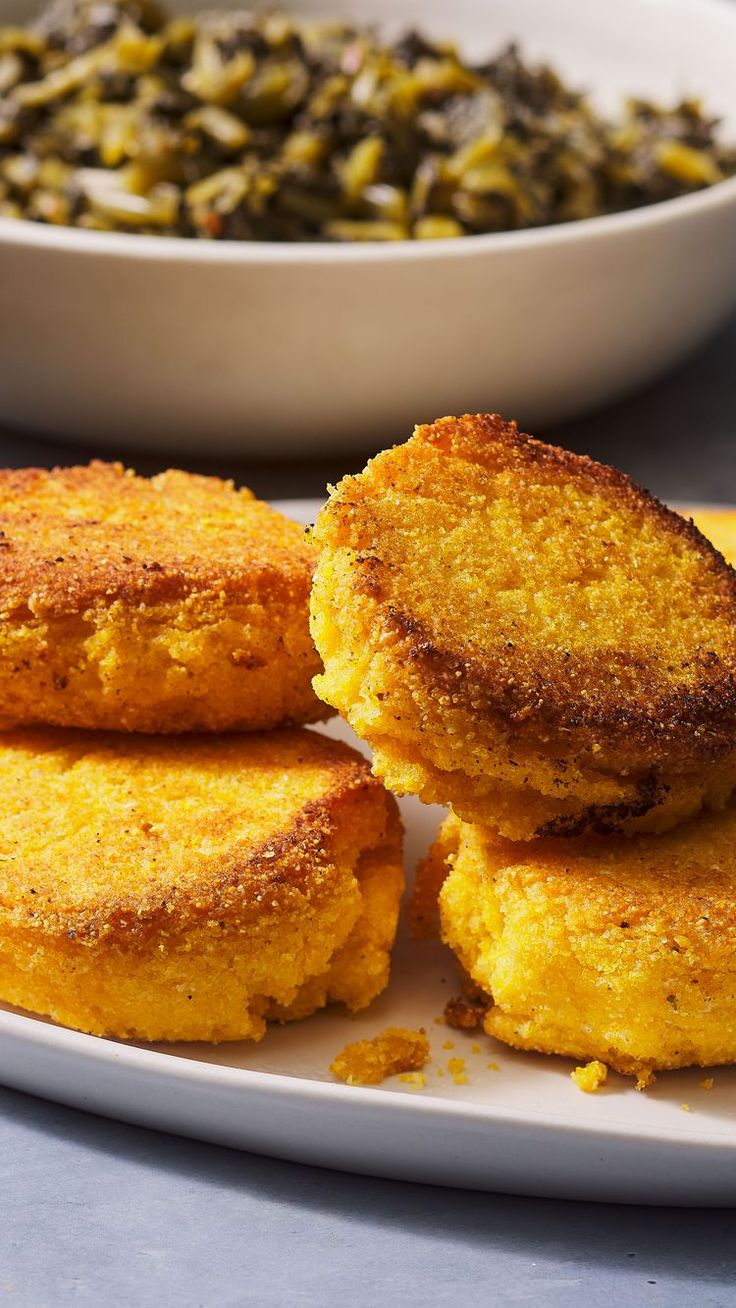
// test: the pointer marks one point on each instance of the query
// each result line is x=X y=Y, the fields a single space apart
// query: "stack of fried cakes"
x=529 y=637
x=180 y=859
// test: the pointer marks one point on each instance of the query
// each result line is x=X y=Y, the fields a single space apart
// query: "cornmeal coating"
x=615 y=949
x=192 y=888
x=174 y=603
x=527 y=635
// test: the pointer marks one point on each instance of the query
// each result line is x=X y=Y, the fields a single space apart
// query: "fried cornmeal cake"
x=611 y=948
x=192 y=887
x=175 y=603
x=527 y=635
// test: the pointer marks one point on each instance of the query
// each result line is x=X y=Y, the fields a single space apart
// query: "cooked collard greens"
x=253 y=126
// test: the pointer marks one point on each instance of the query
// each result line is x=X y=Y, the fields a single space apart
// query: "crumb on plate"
x=417 y=1080
x=463 y=1015
x=368 y=1062
x=644 y=1078
x=456 y=1068
x=590 y=1077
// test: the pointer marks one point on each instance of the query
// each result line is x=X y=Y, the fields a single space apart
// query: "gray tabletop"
x=94 y=1212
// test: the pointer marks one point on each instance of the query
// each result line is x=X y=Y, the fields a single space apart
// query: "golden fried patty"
x=170 y=604
x=527 y=635
x=611 y=948
x=192 y=888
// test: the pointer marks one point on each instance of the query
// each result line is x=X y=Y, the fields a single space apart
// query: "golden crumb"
x=685 y=1108
x=707 y=1083
x=449 y=1044
x=439 y=1021
x=644 y=1078
x=475 y=1047
x=456 y=1068
x=464 y=1015
x=590 y=1077
x=417 y=1080
x=493 y=1067
x=368 y=1062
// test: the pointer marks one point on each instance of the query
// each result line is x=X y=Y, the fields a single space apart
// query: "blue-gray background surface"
x=97 y=1213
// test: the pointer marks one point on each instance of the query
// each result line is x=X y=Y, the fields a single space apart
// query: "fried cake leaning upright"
x=621 y=949
x=170 y=604
x=527 y=635
x=192 y=888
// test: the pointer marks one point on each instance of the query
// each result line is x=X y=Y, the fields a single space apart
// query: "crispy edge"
x=61 y=588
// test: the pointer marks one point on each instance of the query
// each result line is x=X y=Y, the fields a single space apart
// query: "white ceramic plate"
x=520 y=1125
x=135 y=341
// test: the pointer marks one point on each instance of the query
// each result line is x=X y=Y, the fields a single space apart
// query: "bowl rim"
x=133 y=246
x=20 y=232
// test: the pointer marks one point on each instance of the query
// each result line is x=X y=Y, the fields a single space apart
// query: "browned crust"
x=608 y=819
x=518 y=690
x=81 y=537
x=567 y=691
x=291 y=866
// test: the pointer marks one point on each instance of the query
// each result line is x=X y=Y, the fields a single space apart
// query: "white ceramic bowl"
x=252 y=349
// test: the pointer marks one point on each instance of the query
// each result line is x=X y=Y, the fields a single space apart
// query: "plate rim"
x=105 y=1050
